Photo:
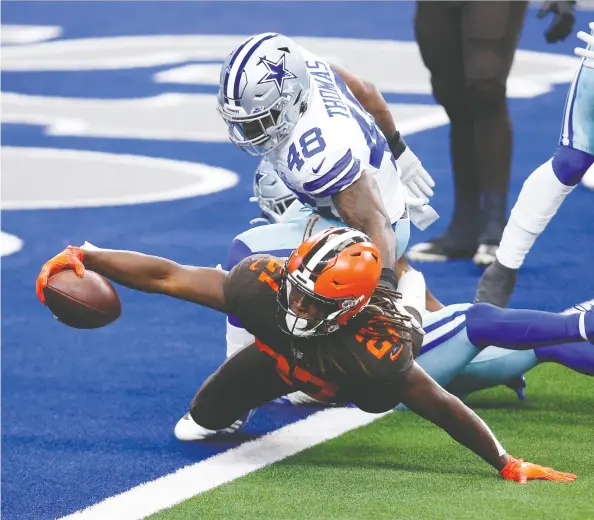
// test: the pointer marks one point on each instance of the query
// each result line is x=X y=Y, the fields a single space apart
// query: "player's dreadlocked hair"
x=384 y=307
x=383 y=321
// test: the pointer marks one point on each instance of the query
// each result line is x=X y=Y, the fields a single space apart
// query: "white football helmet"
x=271 y=193
x=263 y=91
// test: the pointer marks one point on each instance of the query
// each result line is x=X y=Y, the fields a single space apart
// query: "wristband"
x=397 y=145
x=388 y=279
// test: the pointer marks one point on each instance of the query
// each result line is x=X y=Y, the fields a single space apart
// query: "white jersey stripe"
x=331 y=244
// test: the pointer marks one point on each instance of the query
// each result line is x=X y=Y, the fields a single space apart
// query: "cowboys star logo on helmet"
x=277 y=73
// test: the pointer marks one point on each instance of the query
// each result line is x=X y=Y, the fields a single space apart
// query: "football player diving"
x=547 y=187
x=333 y=141
x=445 y=336
x=326 y=325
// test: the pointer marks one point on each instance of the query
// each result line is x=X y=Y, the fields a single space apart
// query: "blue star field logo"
x=277 y=73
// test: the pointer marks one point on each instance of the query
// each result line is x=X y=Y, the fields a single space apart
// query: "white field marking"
x=24 y=34
x=352 y=53
x=198 y=178
x=164 y=492
x=432 y=118
x=160 y=117
x=9 y=244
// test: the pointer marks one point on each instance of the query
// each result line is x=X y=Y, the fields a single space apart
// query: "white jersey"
x=333 y=142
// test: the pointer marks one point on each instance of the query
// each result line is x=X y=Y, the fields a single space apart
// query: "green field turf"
x=402 y=467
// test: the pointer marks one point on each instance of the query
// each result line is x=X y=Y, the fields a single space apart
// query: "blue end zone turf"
x=88 y=414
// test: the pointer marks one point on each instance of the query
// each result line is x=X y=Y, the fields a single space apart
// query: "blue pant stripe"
x=442 y=339
x=443 y=321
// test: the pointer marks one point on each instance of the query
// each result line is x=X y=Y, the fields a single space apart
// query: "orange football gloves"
x=522 y=472
x=70 y=258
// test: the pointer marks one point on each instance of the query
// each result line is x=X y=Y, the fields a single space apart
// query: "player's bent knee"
x=209 y=412
x=486 y=94
x=451 y=97
x=480 y=317
x=570 y=165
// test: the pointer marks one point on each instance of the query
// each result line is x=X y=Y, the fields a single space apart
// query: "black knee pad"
x=486 y=94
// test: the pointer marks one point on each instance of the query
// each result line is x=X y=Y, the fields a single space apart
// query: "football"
x=83 y=303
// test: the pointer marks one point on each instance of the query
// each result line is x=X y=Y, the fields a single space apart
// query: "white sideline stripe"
x=150 y=497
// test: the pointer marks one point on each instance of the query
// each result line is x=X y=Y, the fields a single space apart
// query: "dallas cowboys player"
x=546 y=188
x=331 y=138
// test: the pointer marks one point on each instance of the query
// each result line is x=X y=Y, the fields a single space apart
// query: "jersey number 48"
x=311 y=143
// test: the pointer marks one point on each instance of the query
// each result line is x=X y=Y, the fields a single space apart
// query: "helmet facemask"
x=264 y=130
x=328 y=313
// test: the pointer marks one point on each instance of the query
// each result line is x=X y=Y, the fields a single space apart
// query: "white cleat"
x=485 y=255
x=302 y=399
x=187 y=430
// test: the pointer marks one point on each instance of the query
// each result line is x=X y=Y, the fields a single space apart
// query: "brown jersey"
x=349 y=365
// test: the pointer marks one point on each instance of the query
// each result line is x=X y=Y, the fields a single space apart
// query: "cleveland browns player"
x=323 y=326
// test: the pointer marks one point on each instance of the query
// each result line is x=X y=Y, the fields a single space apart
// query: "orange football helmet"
x=327 y=280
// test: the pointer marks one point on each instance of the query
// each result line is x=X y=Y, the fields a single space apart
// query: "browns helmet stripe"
x=321 y=243
x=334 y=242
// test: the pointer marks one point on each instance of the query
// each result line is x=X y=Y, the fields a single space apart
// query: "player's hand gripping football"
x=522 y=472
x=588 y=52
x=70 y=258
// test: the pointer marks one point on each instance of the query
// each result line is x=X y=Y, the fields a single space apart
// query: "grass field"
x=403 y=467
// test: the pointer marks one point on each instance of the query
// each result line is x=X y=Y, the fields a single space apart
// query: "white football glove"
x=588 y=52
x=418 y=190
x=421 y=214
x=418 y=182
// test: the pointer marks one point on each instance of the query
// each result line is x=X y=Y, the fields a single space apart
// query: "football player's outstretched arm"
x=145 y=273
x=429 y=400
